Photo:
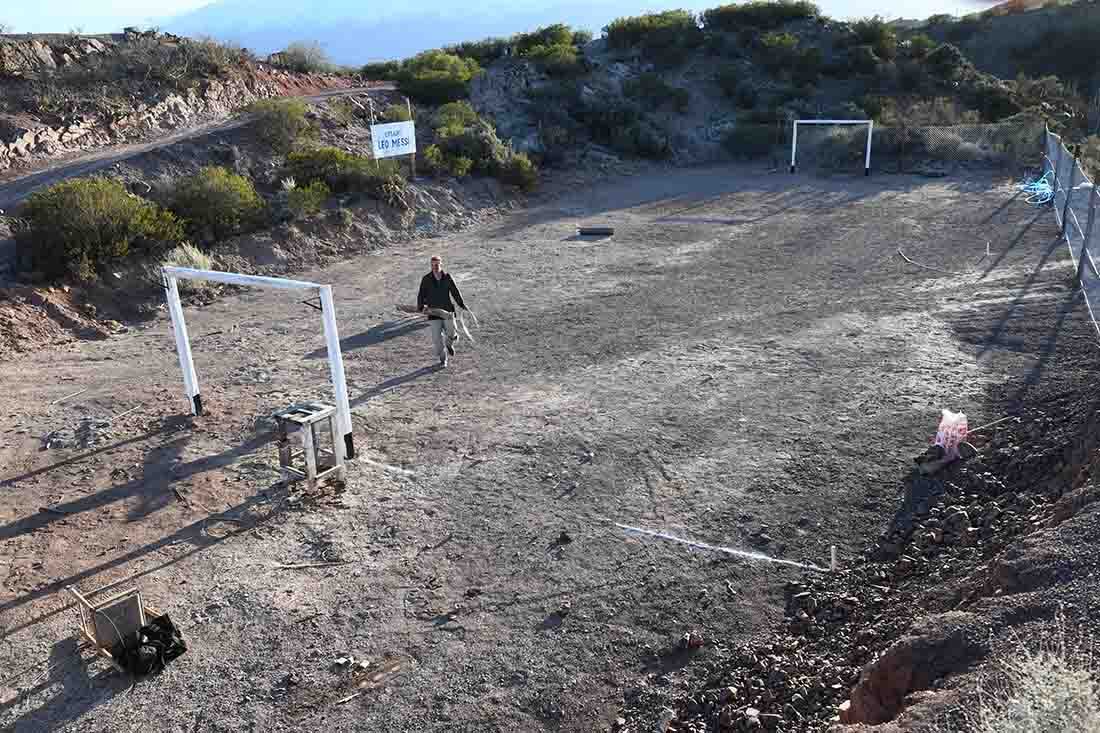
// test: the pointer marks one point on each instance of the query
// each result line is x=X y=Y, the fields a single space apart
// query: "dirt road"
x=17 y=185
x=746 y=362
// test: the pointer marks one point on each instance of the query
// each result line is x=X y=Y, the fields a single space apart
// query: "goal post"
x=172 y=276
x=867 y=156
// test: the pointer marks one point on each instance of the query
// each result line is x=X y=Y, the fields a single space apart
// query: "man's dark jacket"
x=437 y=294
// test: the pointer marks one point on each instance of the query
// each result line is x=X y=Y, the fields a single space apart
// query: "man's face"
x=437 y=265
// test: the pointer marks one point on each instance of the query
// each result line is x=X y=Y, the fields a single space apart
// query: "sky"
x=107 y=16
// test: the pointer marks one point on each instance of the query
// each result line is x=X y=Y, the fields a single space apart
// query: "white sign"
x=393 y=139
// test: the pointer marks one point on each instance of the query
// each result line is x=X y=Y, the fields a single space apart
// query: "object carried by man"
x=436 y=290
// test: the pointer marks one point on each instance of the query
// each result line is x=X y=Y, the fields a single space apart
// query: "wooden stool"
x=312 y=463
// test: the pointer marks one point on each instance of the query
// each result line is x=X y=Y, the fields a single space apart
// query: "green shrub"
x=559 y=60
x=747 y=96
x=779 y=51
x=344 y=172
x=665 y=37
x=993 y=101
x=518 y=170
x=643 y=139
x=920 y=46
x=863 y=60
x=840 y=147
x=396 y=113
x=941 y=19
x=484 y=52
x=304 y=58
x=342 y=110
x=80 y=226
x=552 y=35
x=308 y=200
x=807 y=67
x=946 y=61
x=282 y=123
x=750 y=140
x=879 y=35
x=728 y=79
x=381 y=71
x=582 y=38
x=911 y=75
x=216 y=203
x=458 y=166
x=454 y=116
x=759 y=14
x=653 y=91
x=436 y=77
x=479 y=142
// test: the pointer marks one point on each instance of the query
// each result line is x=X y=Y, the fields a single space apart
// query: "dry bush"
x=1053 y=690
x=304 y=58
x=185 y=255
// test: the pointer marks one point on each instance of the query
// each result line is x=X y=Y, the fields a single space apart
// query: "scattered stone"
x=691 y=640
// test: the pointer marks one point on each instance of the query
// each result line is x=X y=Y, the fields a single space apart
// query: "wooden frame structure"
x=304 y=420
x=108 y=623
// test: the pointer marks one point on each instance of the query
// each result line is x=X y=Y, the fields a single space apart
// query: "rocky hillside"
x=674 y=87
x=1048 y=39
x=62 y=93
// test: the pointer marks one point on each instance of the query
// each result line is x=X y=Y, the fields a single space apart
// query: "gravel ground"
x=747 y=362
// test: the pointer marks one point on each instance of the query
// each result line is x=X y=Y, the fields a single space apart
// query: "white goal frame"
x=870 y=131
x=328 y=316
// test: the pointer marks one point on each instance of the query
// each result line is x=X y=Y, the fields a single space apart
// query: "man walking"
x=436 y=289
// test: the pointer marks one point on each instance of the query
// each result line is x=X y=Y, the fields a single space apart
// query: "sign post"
x=413 y=120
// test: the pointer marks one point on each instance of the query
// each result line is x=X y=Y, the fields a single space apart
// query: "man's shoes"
x=450 y=349
x=442 y=363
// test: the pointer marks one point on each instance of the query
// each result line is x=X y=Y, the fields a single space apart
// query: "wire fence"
x=908 y=149
x=1076 y=205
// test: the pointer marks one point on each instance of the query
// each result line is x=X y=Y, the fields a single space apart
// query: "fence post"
x=1057 y=163
x=1069 y=194
x=1088 y=236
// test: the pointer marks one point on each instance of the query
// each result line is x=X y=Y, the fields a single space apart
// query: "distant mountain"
x=355 y=32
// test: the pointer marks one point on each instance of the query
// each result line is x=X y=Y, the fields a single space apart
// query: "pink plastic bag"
x=952 y=431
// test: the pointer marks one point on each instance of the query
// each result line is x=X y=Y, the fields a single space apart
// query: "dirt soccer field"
x=747 y=362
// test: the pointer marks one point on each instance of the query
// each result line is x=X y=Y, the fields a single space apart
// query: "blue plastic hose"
x=1039 y=191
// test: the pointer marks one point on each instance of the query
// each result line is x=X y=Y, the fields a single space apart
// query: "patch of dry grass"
x=1052 y=689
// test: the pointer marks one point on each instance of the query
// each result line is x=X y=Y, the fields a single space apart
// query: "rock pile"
x=853 y=648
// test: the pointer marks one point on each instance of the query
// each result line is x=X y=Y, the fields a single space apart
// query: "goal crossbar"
x=172 y=276
x=870 y=130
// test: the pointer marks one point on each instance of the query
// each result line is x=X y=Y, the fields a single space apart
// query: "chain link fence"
x=922 y=149
x=1076 y=205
